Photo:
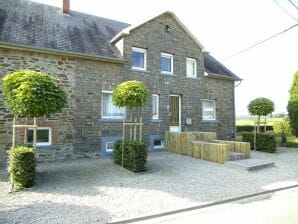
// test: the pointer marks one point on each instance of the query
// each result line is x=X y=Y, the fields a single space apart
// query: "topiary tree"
x=130 y=94
x=29 y=93
x=293 y=105
x=260 y=107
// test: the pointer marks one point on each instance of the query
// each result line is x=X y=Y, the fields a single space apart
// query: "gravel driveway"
x=97 y=191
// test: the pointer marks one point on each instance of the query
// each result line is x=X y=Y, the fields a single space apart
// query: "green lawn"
x=242 y=122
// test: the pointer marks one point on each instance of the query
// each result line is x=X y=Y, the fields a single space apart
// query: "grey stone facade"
x=78 y=130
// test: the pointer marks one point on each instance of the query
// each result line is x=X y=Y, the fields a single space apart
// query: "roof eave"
x=14 y=46
x=217 y=76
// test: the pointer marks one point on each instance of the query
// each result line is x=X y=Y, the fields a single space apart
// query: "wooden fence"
x=203 y=145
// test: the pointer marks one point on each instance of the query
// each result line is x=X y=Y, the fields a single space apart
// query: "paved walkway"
x=97 y=191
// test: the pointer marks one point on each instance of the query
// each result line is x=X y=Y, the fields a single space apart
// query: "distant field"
x=242 y=122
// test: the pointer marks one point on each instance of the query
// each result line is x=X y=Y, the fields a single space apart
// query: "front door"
x=175 y=113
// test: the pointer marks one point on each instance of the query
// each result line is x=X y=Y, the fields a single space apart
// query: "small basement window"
x=158 y=144
x=44 y=136
x=110 y=146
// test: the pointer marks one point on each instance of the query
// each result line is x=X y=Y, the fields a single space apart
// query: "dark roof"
x=214 y=68
x=36 y=25
x=42 y=26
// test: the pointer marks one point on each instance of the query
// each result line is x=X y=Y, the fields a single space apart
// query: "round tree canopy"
x=130 y=94
x=261 y=106
x=29 y=93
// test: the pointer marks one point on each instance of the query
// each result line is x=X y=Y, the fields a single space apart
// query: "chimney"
x=66 y=8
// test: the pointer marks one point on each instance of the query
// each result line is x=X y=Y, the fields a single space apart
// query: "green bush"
x=250 y=128
x=292 y=144
x=130 y=94
x=264 y=142
x=135 y=155
x=22 y=166
x=293 y=105
x=29 y=93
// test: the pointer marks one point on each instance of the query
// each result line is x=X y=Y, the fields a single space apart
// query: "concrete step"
x=250 y=164
x=236 y=156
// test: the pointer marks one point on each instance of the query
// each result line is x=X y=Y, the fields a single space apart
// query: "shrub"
x=264 y=142
x=135 y=155
x=293 y=105
x=22 y=166
x=250 y=128
x=292 y=144
x=29 y=93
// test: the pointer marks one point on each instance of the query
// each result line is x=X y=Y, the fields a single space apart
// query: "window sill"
x=46 y=147
x=156 y=121
x=168 y=74
x=210 y=121
x=193 y=78
x=140 y=70
x=112 y=120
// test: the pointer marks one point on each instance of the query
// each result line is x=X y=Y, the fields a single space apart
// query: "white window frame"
x=155 y=117
x=109 y=117
x=193 y=61
x=204 y=109
x=43 y=143
x=139 y=50
x=109 y=149
x=166 y=55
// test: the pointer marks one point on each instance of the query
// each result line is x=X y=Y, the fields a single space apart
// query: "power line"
x=269 y=38
x=293 y=4
x=286 y=11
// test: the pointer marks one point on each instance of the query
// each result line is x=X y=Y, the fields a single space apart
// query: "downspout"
x=235 y=128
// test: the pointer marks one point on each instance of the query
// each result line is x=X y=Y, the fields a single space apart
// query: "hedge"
x=135 y=155
x=22 y=165
x=264 y=142
x=250 y=128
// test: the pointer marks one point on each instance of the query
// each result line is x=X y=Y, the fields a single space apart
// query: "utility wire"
x=286 y=11
x=293 y=4
x=269 y=38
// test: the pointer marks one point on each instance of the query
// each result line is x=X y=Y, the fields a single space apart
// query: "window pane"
x=110 y=146
x=209 y=110
x=138 y=59
x=155 y=106
x=166 y=65
x=109 y=109
x=42 y=136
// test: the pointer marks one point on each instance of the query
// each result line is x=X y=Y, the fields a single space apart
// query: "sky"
x=225 y=28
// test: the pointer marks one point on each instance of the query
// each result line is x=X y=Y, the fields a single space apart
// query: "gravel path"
x=97 y=191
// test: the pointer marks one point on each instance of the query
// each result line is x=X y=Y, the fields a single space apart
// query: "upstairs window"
x=209 y=110
x=166 y=63
x=139 y=59
x=108 y=109
x=44 y=136
x=191 y=67
x=155 y=106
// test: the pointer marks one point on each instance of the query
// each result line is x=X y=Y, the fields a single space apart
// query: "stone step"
x=236 y=156
x=250 y=164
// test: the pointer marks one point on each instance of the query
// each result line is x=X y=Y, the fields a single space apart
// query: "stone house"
x=90 y=55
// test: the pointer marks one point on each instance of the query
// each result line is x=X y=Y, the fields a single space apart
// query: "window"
x=209 y=112
x=139 y=59
x=155 y=106
x=44 y=136
x=158 y=144
x=109 y=110
x=110 y=146
x=166 y=63
x=191 y=67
